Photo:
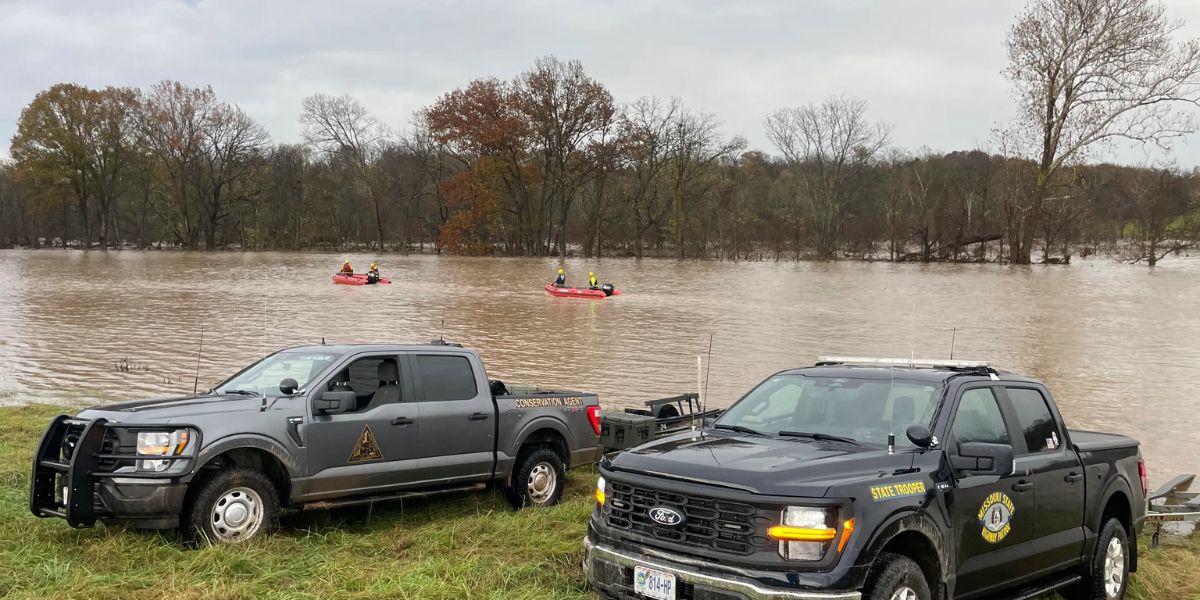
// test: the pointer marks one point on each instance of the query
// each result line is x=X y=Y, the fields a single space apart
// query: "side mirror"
x=920 y=436
x=978 y=458
x=288 y=386
x=327 y=403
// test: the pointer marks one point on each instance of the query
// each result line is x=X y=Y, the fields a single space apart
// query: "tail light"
x=593 y=413
x=1144 y=474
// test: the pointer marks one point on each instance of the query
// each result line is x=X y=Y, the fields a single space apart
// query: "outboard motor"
x=372 y=278
x=607 y=289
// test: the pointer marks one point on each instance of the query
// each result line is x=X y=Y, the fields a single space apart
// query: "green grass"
x=470 y=546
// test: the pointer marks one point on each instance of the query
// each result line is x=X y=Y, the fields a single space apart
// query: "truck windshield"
x=264 y=376
x=864 y=410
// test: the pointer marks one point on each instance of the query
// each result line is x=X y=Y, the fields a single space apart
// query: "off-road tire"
x=1093 y=586
x=891 y=574
x=537 y=465
x=252 y=489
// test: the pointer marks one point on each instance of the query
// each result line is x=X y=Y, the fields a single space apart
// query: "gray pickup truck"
x=312 y=427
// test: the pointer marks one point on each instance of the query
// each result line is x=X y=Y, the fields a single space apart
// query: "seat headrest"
x=388 y=371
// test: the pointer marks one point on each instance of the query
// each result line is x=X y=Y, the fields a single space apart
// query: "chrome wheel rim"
x=905 y=593
x=237 y=514
x=542 y=482
x=1114 y=568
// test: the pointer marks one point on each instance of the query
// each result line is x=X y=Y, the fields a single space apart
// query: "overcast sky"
x=930 y=67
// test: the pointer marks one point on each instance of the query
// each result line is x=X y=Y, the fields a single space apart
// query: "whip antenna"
x=953 y=334
x=199 y=351
x=707 y=372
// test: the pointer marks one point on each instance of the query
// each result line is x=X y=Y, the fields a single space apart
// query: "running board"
x=1043 y=586
x=327 y=504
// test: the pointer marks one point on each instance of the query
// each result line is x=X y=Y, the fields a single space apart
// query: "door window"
x=446 y=378
x=1034 y=418
x=375 y=380
x=979 y=419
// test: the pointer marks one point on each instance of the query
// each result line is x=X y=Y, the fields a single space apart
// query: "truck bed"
x=1092 y=441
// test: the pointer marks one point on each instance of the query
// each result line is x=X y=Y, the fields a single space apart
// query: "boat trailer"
x=1173 y=503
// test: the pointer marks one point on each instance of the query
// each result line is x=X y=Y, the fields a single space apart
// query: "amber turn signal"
x=801 y=534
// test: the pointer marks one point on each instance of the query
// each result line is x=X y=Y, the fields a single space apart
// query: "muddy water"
x=1118 y=344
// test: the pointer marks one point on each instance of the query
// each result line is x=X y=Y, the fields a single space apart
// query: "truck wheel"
x=896 y=577
x=232 y=506
x=1109 y=569
x=538 y=479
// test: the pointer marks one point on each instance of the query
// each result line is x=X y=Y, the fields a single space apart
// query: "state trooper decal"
x=996 y=517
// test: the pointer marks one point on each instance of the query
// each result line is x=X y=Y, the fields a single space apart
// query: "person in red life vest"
x=346 y=268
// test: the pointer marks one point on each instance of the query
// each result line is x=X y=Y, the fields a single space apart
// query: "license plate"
x=654 y=584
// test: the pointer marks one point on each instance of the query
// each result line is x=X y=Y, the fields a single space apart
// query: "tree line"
x=550 y=163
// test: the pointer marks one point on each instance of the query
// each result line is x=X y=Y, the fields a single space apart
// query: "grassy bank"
x=470 y=546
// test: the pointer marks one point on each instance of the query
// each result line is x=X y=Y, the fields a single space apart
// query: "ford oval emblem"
x=665 y=516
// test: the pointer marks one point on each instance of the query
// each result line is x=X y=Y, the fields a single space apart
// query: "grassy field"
x=470 y=546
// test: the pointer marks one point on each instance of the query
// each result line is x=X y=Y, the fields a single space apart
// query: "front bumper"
x=78 y=476
x=610 y=572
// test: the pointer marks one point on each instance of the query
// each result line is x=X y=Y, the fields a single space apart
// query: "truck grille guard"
x=75 y=453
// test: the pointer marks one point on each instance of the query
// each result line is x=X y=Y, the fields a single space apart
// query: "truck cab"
x=873 y=478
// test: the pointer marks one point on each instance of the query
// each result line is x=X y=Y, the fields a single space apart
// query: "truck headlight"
x=160 y=443
x=808 y=531
x=601 y=488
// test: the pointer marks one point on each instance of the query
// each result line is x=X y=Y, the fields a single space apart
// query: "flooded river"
x=1118 y=344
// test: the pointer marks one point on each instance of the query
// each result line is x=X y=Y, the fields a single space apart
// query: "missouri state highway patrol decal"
x=996 y=517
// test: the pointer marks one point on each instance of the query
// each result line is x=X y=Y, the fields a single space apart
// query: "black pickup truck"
x=878 y=479
x=312 y=427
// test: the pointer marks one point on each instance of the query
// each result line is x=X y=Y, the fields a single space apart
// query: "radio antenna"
x=199 y=351
x=442 y=327
x=707 y=372
x=953 y=334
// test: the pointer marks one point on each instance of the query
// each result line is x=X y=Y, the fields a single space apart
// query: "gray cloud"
x=932 y=68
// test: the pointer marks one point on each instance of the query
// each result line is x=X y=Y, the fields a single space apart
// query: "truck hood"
x=772 y=466
x=178 y=407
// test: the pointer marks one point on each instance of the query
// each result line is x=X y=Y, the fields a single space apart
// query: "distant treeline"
x=550 y=163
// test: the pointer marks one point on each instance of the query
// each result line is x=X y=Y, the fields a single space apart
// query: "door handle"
x=1072 y=477
x=403 y=421
x=1022 y=486
x=478 y=417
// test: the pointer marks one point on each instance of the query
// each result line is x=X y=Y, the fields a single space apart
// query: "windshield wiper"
x=737 y=428
x=825 y=437
x=240 y=393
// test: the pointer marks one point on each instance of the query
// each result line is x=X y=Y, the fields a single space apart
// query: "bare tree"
x=696 y=146
x=1089 y=71
x=645 y=133
x=1163 y=219
x=828 y=145
x=340 y=126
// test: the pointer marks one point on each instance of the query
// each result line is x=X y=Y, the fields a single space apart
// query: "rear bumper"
x=586 y=456
x=609 y=572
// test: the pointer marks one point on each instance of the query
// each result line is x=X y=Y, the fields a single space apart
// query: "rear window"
x=1034 y=418
x=446 y=378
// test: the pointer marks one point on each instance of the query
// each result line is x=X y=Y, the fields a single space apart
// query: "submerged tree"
x=829 y=146
x=1090 y=71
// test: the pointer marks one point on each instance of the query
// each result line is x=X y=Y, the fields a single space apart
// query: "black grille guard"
x=77 y=472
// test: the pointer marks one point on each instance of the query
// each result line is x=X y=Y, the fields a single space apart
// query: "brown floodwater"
x=1118 y=344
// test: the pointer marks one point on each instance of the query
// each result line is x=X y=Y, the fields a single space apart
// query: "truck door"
x=371 y=446
x=993 y=519
x=1057 y=474
x=458 y=419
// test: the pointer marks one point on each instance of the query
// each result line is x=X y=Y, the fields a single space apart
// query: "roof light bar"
x=905 y=362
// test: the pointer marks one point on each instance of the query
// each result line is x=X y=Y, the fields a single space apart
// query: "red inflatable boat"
x=570 y=292
x=356 y=279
